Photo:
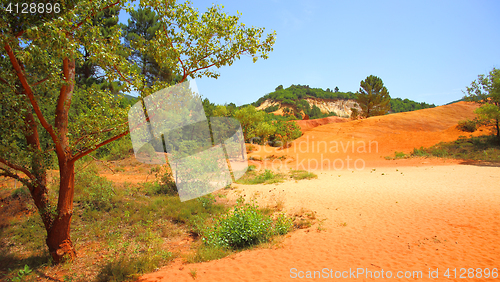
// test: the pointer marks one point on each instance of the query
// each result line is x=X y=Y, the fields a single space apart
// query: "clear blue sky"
x=427 y=51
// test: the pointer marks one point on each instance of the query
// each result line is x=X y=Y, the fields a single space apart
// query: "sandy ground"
x=415 y=219
x=380 y=219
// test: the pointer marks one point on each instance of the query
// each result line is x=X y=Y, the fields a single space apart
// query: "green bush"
x=439 y=152
x=467 y=125
x=283 y=224
x=302 y=174
x=243 y=227
x=420 y=152
x=93 y=191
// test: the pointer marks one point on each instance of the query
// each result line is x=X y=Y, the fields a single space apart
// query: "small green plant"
x=21 y=274
x=399 y=155
x=244 y=226
x=266 y=177
x=192 y=272
x=283 y=224
x=302 y=174
x=420 y=152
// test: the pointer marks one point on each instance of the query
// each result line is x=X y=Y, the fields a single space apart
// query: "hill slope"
x=369 y=140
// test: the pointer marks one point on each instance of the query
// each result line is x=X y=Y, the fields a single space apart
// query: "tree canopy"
x=373 y=97
x=486 y=91
x=47 y=115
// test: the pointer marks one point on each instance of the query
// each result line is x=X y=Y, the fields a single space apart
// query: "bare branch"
x=17 y=167
x=24 y=181
x=39 y=82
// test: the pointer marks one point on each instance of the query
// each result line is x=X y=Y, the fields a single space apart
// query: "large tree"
x=38 y=86
x=486 y=91
x=373 y=97
x=142 y=26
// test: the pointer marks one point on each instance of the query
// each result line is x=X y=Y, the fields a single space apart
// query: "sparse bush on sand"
x=245 y=226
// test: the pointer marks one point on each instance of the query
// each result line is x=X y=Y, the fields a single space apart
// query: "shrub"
x=93 y=191
x=439 y=152
x=467 y=125
x=399 y=155
x=243 y=227
x=420 y=152
x=283 y=224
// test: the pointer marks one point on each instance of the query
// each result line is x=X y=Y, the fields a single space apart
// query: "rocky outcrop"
x=340 y=107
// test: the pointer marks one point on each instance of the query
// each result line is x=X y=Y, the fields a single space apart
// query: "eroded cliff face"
x=340 y=107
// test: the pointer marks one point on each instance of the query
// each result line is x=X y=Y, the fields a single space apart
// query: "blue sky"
x=427 y=51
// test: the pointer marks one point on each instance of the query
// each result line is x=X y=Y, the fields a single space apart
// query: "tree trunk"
x=58 y=235
x=58 y=239
x=498 y=130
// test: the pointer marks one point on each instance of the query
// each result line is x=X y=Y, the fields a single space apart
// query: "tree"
x=373 y=97
x=142 y=27
x=486 y=91
x=38 y=86
x=336 y=89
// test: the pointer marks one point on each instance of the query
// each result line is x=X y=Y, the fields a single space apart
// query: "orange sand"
x=399 y=215
x=397 y=219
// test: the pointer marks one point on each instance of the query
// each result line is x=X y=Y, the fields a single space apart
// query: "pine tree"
x=141 y=28
x=373 y=97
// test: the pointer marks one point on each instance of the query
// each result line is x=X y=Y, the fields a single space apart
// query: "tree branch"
x=4 y=81
x=17 y=167
x=120 y=73
x=39 y=82
x=82 y=154
x=93 y=14
x=28 y=91
x=185 y=73
x=24 y=181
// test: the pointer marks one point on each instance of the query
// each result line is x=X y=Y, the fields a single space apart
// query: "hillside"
x=318 y=103
x=371 y=139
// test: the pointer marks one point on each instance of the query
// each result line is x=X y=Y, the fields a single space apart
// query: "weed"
x=192 y=272
x=21 y=274
x=303 y=223
x=302 y=174
x=208 y=253
x=93 y=191
x=266 y=177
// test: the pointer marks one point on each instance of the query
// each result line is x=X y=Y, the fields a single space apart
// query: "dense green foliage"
x=373 y=97
x=486 y=91
x=482 y=148
x=257 y=126
x=291 y=99
x=399 y=105
x=244 y=226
